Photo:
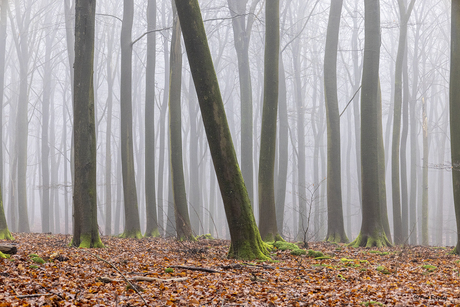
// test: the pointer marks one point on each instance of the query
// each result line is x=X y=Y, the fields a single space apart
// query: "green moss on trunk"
x=5 y=234
x=248 y=251
x=87 y=241
x=153 y=234
x=135 y=234
x=376 y=240
x=337 y=238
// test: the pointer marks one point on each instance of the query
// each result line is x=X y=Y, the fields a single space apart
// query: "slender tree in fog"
x=454 y=106
x=85 y=229
x=372 y=232
x=242 y=26
x=183 y=228
x=150 y=201
x=335 y=226
x=4 y=231
x=132 y=223
x=404 y=15
x=267 y=211
x=245 y=238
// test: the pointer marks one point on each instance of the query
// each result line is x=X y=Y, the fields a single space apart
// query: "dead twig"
x=193 y=268
x=106 y=279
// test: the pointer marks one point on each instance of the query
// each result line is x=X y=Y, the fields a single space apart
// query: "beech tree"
x=335 y=225
x=372 y=231
x=454 y=105
x=246 y=242
x=267 y=210
x=132 y=223
x=85 y=228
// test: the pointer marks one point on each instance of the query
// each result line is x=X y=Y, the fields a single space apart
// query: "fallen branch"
x=106 y=279
x=8 y=249
x=193 y=268
x=34 y=295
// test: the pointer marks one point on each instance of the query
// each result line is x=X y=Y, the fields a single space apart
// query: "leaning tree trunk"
x=372 y=232
x=132 y=223
x=85 y=230
x=267 y=211
x=454 y=107
x=335 y=225
x=246 y=242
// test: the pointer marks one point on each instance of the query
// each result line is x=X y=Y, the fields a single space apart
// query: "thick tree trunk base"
x=371 y=241
x=250 y=251
x=271 y=237
x=135 y=234
x=337 y=237
x=87 y=242
x=5 y=234
x=152 y=234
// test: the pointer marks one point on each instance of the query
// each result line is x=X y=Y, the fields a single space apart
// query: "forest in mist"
x=36 y=90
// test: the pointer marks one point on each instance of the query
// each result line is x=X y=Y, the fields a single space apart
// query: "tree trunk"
x=267 y=211
x=150 y=200
x=183 y=228
x=395 y=153
x=283 y=145
x=372 y=232
x=246 y=242
x=85 y=230
x=4 y=231
x=132 y=223
x=335 y=226
x=425 y=175
x=242 y=35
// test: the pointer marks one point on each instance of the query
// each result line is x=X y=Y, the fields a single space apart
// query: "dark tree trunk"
x=267 y=211
x=132 y=223
x=150 y=200
x=372 y=231
x=335 y=225
x=245 y=238
x=85 y=230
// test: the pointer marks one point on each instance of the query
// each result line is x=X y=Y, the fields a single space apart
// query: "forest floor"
x=399 y=276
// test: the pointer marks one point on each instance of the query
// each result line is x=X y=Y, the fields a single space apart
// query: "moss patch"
x=314 y=254
x=136 y=234
x=87 y=242
x=2 y=255
x=205 y=237
x=5 y=234
x=376 y=240
x=38 y=260
x=154 y=234
x=298 y=252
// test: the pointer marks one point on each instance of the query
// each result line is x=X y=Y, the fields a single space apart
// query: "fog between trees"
x=37 y=39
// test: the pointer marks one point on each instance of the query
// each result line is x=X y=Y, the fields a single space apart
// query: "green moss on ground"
x=5 y=234
x=38 y=260
x=298 y=252
x=314 y=254
x=205 y=237
x=2 y=255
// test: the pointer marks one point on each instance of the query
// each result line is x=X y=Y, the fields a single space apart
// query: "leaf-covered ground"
x=411 y=276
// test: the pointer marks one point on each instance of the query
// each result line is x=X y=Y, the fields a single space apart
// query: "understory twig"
x=193 y=268
x=141 y=278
